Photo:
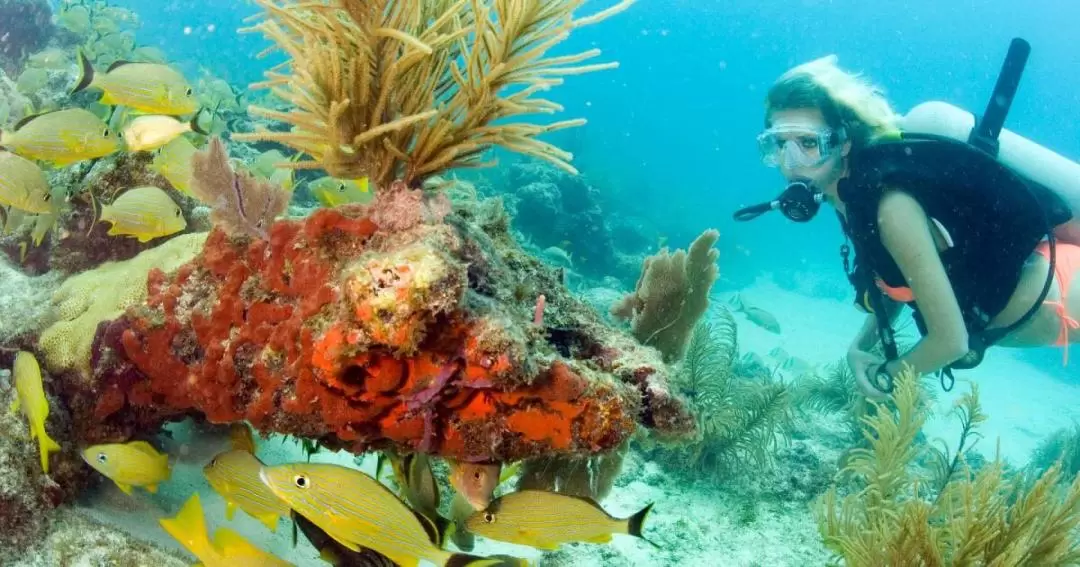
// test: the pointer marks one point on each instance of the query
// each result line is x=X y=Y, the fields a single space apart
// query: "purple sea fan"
x=240 y=202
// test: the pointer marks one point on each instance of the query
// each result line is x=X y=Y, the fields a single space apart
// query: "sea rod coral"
x=394 y=89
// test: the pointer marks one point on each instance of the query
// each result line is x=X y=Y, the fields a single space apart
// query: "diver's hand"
x=864 y=365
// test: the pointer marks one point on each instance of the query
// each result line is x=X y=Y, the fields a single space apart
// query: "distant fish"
x=152 y=131
x=756 y=315
x=75 y=19
x=417 y=482
x=23 y=185
x=31 y=400
x=153 y=88
x=546 y=520
x=129 y=464
x=144 y=213
x=61 y=137
x=241 y=438
x=173 y=162
x=235 y=476
x=229 y=549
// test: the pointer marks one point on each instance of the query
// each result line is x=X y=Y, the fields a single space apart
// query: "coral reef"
x=85 y=300
x=27 y=27
x=76 y=242
x=671 y=296
x=554 y=208
x=404 y=90
x=337 y=330
x=24 y=304
x=73 y=540
x=27 y=495
x=897 y=517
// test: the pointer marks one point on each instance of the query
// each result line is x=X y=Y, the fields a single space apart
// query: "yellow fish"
x=235 y=476
x=144 y=213
x=153 y=88
x=413 y=475
x=229 y=549
x=129 y=464
x=336 y=554
x=31 y=400
x=61 y=137
x=360 y=512
x=173 y=162
x=547 y=519
x=152 y=131
x=23 y=185
x=331 y=191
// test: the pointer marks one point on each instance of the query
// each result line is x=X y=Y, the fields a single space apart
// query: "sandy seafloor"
x=693 y=523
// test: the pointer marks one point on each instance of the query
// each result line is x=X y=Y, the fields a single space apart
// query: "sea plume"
x=240 y=202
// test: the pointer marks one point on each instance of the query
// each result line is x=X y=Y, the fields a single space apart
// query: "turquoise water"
x=668 y=151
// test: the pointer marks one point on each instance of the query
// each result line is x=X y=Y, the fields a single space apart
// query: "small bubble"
x=187 y=30
x=210 y=28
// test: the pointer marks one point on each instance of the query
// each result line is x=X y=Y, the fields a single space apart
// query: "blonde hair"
x=846 y=100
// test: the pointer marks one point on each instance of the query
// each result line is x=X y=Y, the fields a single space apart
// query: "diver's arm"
x=868 y=337
x=905 y=233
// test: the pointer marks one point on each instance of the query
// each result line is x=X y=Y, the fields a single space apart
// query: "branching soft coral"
x=977 y=519
x=394 y=89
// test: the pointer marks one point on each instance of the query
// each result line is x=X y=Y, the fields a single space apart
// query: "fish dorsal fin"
x=435 y=530
x=28 y=119
x=117 y=64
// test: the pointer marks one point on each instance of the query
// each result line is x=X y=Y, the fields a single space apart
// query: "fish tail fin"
x=194 y=124
x=46 y=445
x=188 y=526
x=86 y=73
x=636 y=523
x=466 y=560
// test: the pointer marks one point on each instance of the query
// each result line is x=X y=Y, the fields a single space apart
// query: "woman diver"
x=936 y=223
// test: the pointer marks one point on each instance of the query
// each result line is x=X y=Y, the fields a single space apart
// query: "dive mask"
x=799 y=202
x=795 y=146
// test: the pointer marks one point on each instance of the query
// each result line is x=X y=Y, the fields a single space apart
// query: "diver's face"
x=798 y=134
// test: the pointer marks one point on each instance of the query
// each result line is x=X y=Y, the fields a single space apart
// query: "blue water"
x=675 y=124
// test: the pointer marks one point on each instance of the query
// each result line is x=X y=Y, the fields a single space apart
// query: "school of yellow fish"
x=144 y=103
x=350 y=517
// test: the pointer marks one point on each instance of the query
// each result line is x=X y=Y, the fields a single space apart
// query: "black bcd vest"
x=995 y=217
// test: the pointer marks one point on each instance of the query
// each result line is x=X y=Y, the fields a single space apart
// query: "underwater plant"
x=404 y=90
x=672 y=294
x=741 y=422
x=1061 y=447
x=977 y=518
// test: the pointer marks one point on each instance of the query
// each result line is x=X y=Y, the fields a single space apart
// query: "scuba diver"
x=974 y=227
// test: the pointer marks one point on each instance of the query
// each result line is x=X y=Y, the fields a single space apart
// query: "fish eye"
x=105 y=133
x=101 y=458
x=489 y=517
x=341 y=188
x=187 y=92
x=477 y=475
x=178 y=213
x=301 y=481
x=48 y=197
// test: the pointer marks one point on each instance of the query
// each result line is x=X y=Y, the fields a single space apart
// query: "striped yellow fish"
x=229 y=549
x=153 y=88
x=31 y=400
x=331 y=191
x=61 y=137
x=173 y=162
x=360 y=512
x=129 y=464
x=23 y=185
x=144 y=213
x=235 y=476
x=546 y=520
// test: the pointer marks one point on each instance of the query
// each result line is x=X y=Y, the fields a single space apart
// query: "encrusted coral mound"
x=335 y=330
